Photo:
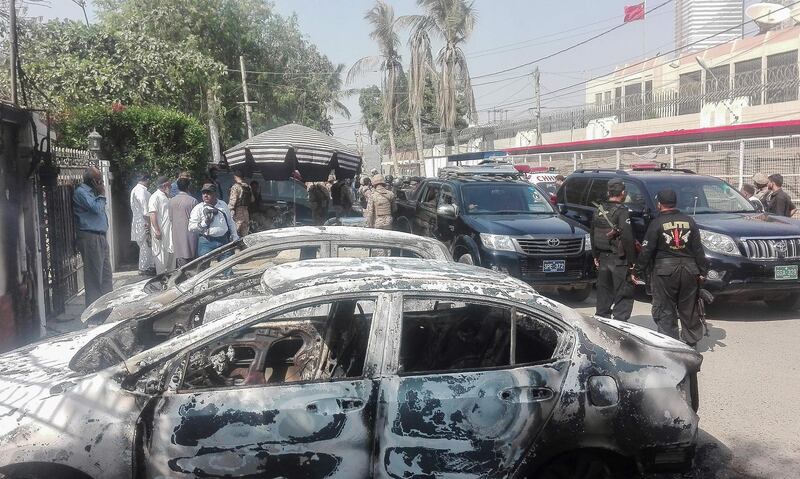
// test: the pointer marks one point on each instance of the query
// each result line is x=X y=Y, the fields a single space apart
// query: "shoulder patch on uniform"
x=644 y=243
x=627 y=220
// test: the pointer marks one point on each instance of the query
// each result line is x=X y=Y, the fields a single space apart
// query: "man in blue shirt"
x=89 y=206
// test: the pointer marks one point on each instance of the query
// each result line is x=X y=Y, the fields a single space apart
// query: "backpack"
x=246 y=199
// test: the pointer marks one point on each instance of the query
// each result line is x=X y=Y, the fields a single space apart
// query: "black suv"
x=752 y=255
x=490 y=217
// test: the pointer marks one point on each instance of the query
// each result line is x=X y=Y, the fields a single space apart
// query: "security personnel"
x=673 y=248
x=614 y=250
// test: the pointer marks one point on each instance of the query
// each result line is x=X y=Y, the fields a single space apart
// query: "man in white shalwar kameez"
x=140 y=231
x=161 y=226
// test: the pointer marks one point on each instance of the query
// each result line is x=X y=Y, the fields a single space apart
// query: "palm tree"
x=452 y=22
x=384 y=32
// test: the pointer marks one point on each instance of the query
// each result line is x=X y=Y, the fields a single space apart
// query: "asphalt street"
x=749 y=391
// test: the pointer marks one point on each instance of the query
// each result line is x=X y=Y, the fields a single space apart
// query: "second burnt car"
x=357 y=368
x=236 y=267
x=489 y=216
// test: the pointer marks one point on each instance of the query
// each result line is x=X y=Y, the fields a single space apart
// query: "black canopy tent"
x=276 y=153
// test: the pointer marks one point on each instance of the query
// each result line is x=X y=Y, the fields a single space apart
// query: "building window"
x=598 y=99
x=718 y=83
x=747 y=80
x=689 y=93
x=607 y=97
x=782 y=77
x=648 y=100
x=633 y=102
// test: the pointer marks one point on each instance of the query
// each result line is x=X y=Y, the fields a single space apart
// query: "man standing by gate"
x=140 y=224
x=89 y=208
x=614 y=250
x=673 y=249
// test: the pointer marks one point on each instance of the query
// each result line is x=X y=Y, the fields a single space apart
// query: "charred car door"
x=472 y=384
x=425 y=219
x=289 y=395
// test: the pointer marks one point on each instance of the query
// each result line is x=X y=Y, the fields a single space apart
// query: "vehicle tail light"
x=645 y=166
x=553 y=199
x=688 y=389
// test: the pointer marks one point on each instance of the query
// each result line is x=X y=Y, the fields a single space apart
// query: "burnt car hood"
x=524 y=224
x=128 y=301
x=41 y=369
x=748 y=224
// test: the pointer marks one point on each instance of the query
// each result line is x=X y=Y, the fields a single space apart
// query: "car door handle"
x=328 y=406
x=525 y=394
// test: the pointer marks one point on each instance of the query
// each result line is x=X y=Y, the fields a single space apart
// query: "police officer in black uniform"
x=614 y=250
x=673 y=249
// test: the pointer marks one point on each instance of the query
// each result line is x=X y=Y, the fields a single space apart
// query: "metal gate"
x=61 y=262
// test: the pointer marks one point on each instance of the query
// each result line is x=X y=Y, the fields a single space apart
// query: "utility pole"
x=247 y=108
x=537 y=86
x=12 y=20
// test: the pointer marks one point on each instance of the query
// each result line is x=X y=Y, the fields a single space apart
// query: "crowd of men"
x=171 y=227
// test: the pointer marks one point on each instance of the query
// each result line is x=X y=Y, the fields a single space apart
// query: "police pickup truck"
x=489 y=216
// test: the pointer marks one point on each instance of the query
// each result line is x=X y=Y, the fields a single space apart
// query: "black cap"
x=667 y=197
x=615 y=186
x=209 y=187
x=161 y=180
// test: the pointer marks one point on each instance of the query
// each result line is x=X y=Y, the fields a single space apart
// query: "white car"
x=226 y=269
x=356 y=368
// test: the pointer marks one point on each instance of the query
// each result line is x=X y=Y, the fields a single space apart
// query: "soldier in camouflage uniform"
x=381 y=205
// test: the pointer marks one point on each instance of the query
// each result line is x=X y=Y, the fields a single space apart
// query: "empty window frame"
x=445 y=335
x=324 y=342
x=689 y=93
x=718 y=83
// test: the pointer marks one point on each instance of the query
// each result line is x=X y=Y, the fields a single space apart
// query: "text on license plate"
x=786 y=272
x=554 y=266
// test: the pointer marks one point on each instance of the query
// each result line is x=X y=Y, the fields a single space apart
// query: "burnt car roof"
x=339 y=232
x=376 y=272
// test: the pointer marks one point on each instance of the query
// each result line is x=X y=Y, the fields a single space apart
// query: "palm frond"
x=361 y=67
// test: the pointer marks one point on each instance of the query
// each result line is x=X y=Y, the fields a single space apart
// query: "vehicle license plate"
x=559 y=266
x=786 y=272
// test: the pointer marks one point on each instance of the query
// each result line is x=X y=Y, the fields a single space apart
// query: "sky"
x=507 y=33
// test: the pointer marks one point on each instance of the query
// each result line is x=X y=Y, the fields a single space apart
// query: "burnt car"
x=357 y=368
x=212 y=275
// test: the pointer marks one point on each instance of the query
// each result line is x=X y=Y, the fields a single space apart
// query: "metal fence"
x=735 y=161
x=61 y=262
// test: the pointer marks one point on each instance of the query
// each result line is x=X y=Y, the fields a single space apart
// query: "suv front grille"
x=772 y=248
x=545 y=246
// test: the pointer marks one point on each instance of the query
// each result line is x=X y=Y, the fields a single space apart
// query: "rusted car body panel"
x=142 y=418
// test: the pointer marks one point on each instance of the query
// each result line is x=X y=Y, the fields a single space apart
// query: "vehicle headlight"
x=498 y=242
x=719 y=243
x=587 y=241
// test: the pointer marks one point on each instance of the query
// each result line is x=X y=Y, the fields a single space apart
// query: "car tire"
x=402 y=225
x=465 y=258
x=585 y=465
x=789 y=302
x=577 y=294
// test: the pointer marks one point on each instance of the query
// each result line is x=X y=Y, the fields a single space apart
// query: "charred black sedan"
x=353 y=368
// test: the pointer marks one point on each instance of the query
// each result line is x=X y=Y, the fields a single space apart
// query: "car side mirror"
x=448 y=211
x=757 y=205
x=562 y=208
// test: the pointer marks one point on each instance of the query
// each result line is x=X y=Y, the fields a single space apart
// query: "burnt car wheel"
x=465 y=258
x=585 y=465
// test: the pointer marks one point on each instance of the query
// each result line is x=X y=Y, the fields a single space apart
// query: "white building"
x=696 y=20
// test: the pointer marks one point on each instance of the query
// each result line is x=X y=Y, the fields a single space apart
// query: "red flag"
x=634 y=12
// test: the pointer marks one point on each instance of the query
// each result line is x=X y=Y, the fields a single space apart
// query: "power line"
x=566 y=49
x=570 y=87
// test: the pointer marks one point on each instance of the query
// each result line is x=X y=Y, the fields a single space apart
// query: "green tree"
x=451 y=22
x=149 y=138
x=371 y=102
x=384 y=33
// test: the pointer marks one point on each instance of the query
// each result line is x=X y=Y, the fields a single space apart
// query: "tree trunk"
x=420 y=145
x=213 y=126
x=393 y=151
